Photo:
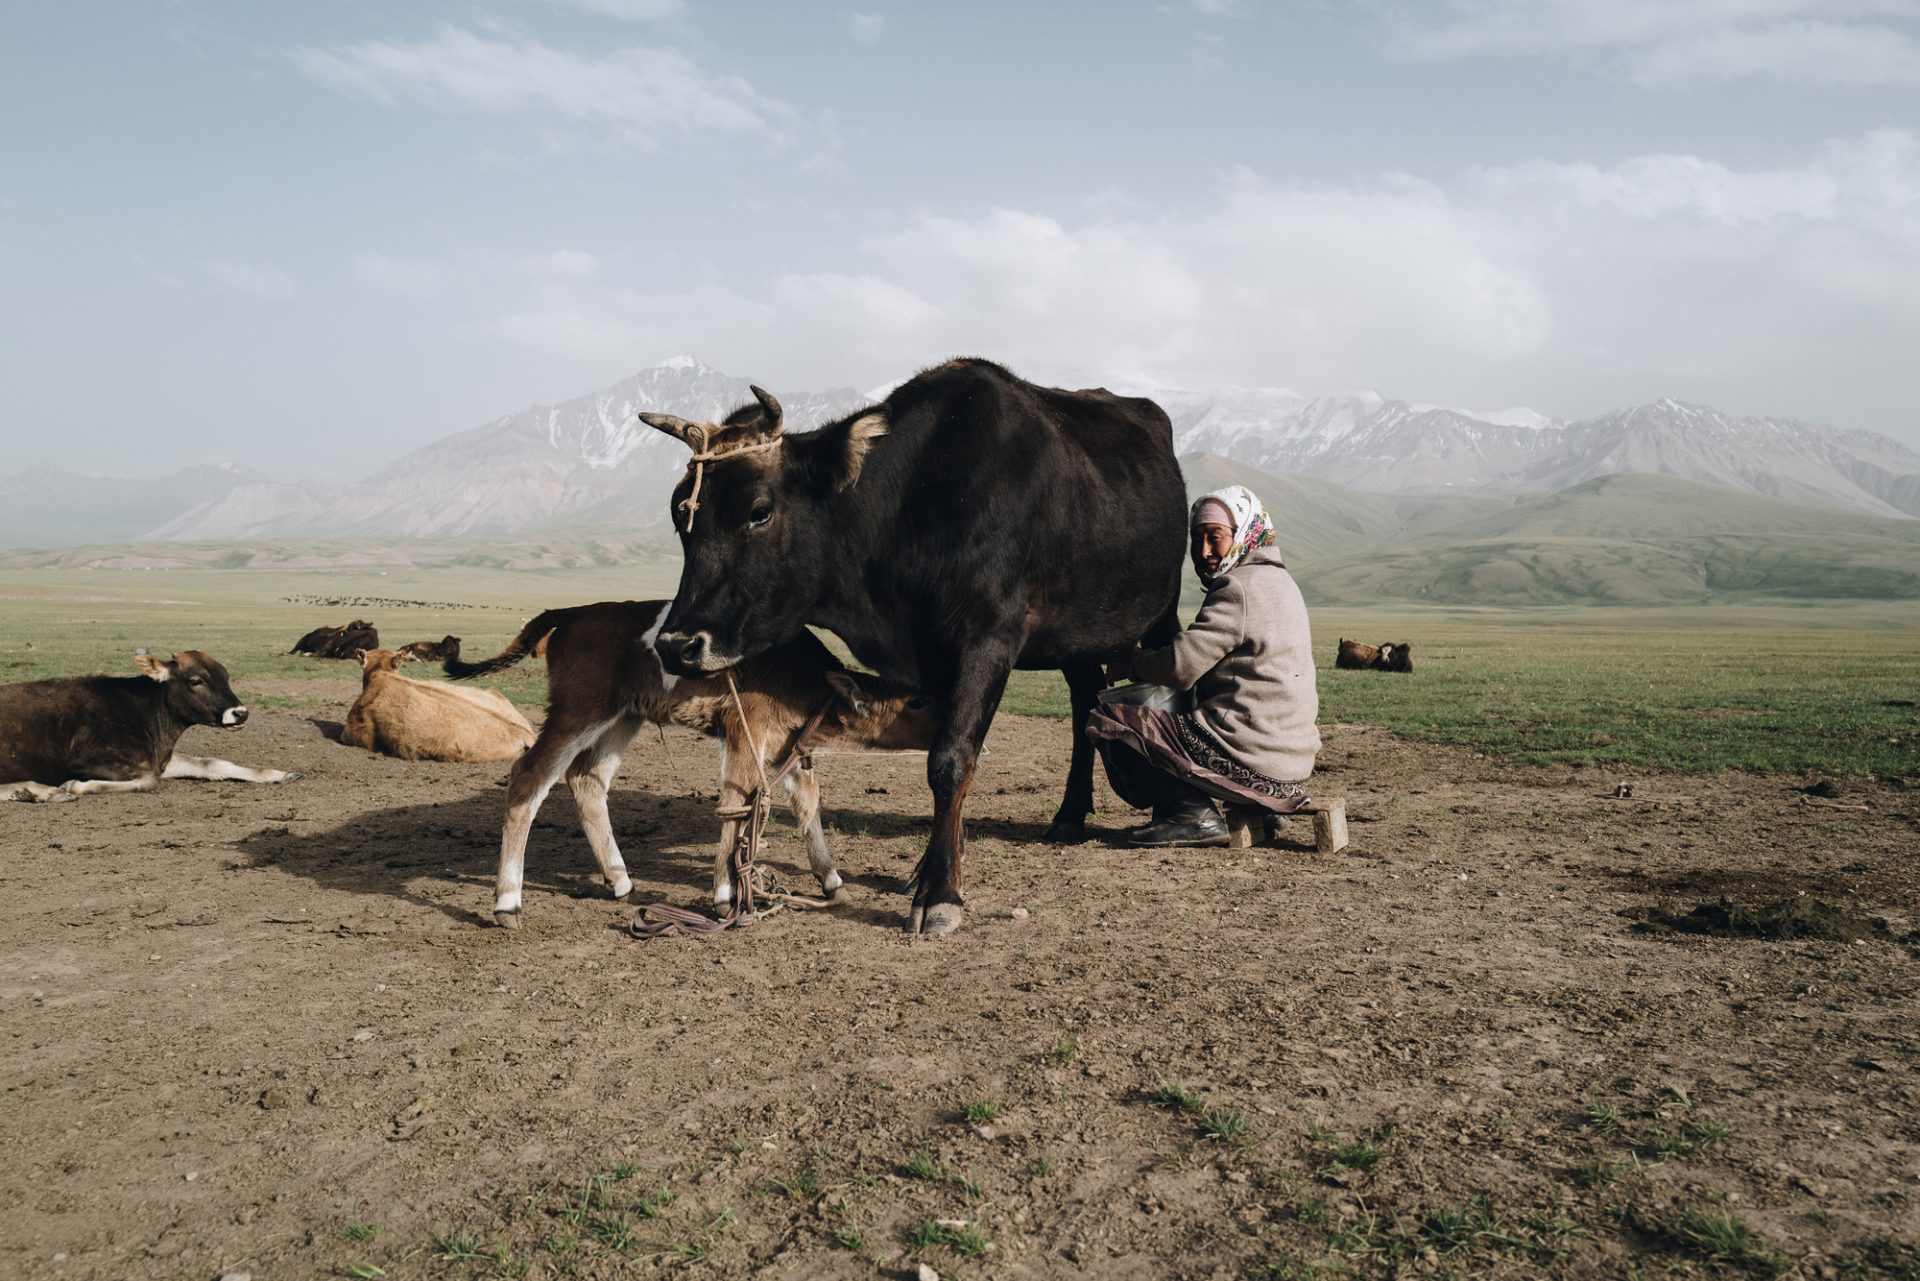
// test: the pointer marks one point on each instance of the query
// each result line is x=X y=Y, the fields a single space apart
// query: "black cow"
x=970 y=524
x=64 y=738
x=339 y=642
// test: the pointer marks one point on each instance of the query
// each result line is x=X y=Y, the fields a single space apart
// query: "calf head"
x=873 y=711
x=197 y=692
x=754 y=513
x=375 y=661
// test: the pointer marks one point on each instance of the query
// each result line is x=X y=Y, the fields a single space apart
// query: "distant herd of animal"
x=925 y=531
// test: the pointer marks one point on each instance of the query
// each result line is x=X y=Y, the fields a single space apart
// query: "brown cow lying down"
x=604 y=682
x=431 y=721
x=430 y=651
x=1390 y=657
x=64 y=738
x=338 y=642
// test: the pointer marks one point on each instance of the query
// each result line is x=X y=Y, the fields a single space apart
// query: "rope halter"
x=696 y=439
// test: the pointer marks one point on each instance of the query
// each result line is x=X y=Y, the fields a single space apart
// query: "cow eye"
x=760 y=515
x=196 y=680
x=917 y=703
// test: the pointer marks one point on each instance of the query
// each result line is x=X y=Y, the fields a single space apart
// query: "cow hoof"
x=621 y=888
x=291 y=776
x=942 y=918
x=1067 y=831
x=839 y=897
x=507 y=920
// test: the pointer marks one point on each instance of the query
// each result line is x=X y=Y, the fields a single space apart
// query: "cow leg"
x=590 y=777
x=30 y=791
x=532 y=777
x=86 y=786
x=1085 y=680
x=207 y=767
x=937 y=906
x=737 y=781
x=803 y=794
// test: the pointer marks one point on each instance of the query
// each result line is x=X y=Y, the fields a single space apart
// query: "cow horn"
x=678 y=428
x=770 y=405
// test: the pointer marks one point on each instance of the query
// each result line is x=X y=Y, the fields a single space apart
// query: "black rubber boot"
x=1187 y=822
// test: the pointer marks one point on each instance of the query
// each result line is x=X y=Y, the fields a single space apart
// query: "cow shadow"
x=668 y=842
x=329 y=730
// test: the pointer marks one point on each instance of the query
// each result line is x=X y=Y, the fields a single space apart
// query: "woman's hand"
x=1120 y=664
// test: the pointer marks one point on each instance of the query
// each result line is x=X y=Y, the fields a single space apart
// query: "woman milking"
x=1245 y=735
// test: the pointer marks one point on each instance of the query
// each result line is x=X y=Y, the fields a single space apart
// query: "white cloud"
x=866 y=28
x=628 y=10
x=1574 y=286
x=1678 y=42
x=636 y=93
x=260 y=279
x=560 y=265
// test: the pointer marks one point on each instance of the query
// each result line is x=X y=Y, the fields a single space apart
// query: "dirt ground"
x=273 y=1029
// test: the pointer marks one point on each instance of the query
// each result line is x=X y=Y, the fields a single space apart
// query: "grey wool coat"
x=1248 y=658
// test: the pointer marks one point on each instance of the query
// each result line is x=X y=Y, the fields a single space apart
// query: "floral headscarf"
x=1252 y=527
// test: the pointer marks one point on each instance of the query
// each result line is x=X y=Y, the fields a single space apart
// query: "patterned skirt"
x=1179 y=744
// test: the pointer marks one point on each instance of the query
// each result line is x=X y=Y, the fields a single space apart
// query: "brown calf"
x=430 y=651
x=1394 y=656
x=604 y=681
x=430 y=720
x=64 y=738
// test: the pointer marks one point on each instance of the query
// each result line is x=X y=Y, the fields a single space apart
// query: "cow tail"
x=517 y=648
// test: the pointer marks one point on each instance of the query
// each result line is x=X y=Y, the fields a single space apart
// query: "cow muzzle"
x=688 y=654
x=234 y=716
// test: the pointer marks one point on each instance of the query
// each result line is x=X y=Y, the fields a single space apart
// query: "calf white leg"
x=590 y=776
x=207 y=767
x=87 y=786
x=532 y=777
x=803 y=794
x=733 y=795
x=33 y=792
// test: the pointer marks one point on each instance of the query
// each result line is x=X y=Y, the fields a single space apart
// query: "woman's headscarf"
x=1252 y=527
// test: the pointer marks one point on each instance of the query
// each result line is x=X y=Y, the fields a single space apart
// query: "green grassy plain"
x=1790 y=688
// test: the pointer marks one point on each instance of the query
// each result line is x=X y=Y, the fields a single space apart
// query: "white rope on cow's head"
x=697 y=441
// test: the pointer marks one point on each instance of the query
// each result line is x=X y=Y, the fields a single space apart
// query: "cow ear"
x=846 y=688
x=153 y=667
x=360 y=656
x=861 y=433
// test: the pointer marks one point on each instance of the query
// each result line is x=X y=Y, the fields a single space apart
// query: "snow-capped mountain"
x=589 y=462
x=1365 y=441
x=583 y=461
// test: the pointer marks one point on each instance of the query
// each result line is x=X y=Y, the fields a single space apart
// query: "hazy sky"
x=309 y=236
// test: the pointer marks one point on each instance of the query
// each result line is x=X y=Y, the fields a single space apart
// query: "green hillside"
x=1642 y=540
x=1318 y=517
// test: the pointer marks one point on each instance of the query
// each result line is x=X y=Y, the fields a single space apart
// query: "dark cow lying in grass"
x=64 y=738
x=604 y=682
x=430 y=651
x=1358 y=656
x=338 y=642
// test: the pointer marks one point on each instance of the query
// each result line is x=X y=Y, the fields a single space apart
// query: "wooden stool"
x=1246 y=824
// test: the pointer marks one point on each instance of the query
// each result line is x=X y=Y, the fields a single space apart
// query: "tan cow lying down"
x=429 y=720
x=604 y=682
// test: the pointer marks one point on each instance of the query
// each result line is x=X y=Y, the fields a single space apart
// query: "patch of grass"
x=365 y=1270
x=1061 y=1052
x=1598 y=1171
x=1040 y=1167
x=615 y=1231
x=1175 y=1097
x=805 y=1185
x=970 y=1186
x=982 y=1111
x=925 y=1166
x=1667 y=1142
x=1462 y=1226
x=1358 y=1155
x=1716 y=1232
x=850 y=1239
x=1709 y=1129
x=968 y=1240
x=1228 y=1125
x=358 y=1231
x=1602 y=1115
x=461 y=1244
